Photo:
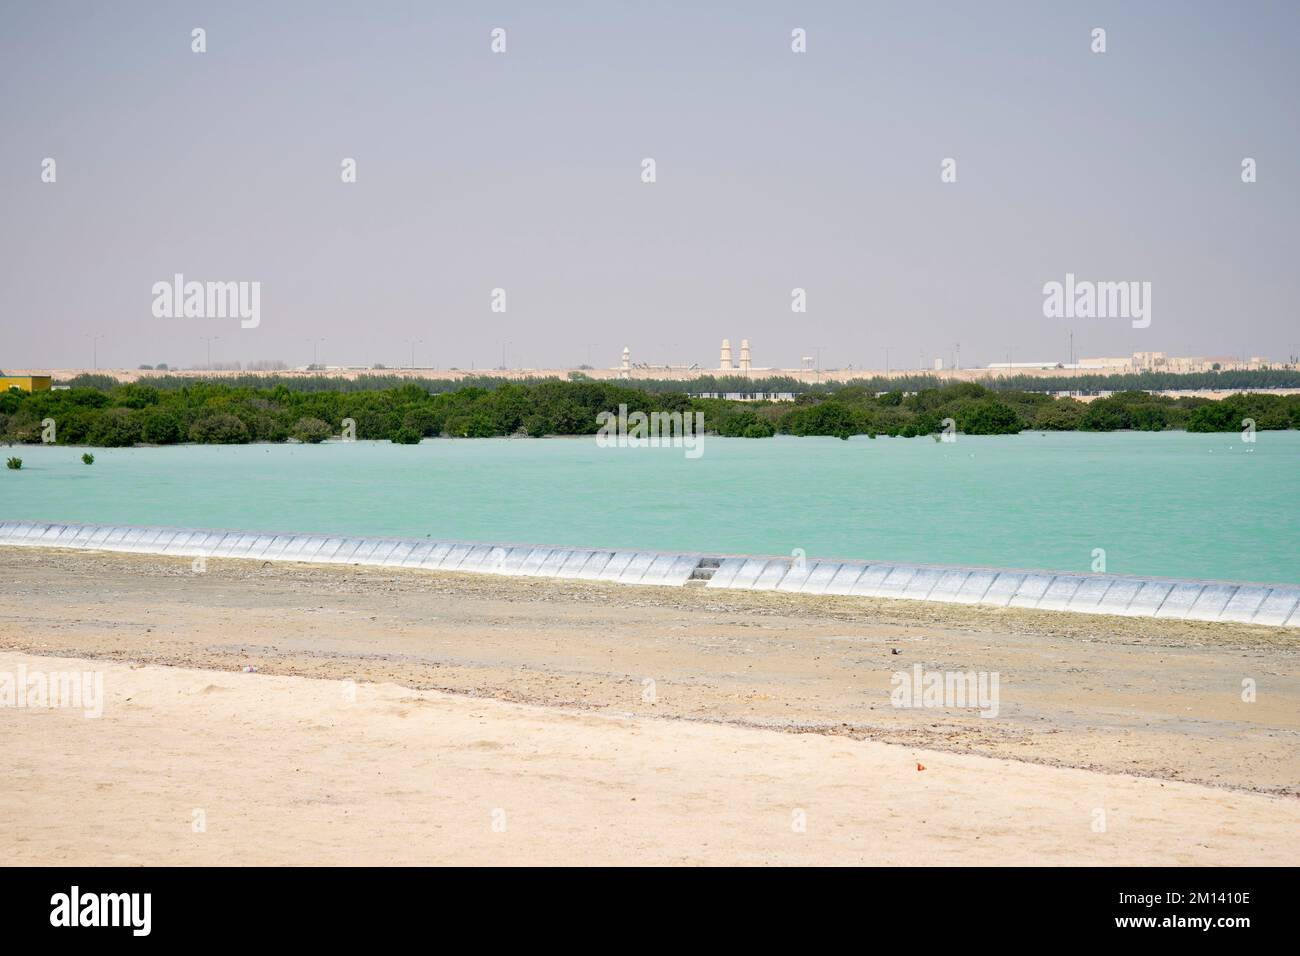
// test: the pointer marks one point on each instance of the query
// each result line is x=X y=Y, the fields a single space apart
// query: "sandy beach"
x=360 y=715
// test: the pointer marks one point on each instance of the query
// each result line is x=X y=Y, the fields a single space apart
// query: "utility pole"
x=94 y=350
x=210 y=339
x=887 y=348
x=314 y=362
x=817 y=350
x=414 y=343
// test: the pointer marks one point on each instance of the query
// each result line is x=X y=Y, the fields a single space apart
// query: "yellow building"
x=27 y=383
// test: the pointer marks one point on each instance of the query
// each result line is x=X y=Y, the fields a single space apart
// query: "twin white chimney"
x=724 y=359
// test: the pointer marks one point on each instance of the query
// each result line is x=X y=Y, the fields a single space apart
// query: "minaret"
x=744 y=356
x=626 y=370
x=724 y=361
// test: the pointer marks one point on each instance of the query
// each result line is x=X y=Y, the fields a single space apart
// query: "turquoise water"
x=1174 y=504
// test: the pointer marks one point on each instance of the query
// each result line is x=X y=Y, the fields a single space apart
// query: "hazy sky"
x=522 y=171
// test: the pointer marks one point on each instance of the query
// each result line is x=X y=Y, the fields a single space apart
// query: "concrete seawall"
x=1274 y=605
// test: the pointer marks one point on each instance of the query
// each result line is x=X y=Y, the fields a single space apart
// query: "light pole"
x=210 y=339
x=314 y=363
x=817 y=349
x=94 y=350
x=414 y=343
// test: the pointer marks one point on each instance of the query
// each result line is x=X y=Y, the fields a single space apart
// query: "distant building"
x=747 y=396
x=25 y=383
x=1027 y=365
x=1160 y=362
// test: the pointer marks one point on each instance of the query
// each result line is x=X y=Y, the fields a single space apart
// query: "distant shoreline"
x=103 y=413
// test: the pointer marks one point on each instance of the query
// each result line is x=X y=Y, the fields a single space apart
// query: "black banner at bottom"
x=336 y=905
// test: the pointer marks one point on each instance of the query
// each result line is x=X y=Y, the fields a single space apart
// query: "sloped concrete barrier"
x=1273 y=605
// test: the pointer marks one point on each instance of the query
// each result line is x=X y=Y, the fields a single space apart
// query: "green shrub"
x=219 y=429
x=23 y=426
x=478 y=424
x=267 y=426
x=115 y=428
x=826 y=418
x=1148 y=417
x=311 y=431
x=87 y=459
x=1106 y=415
x=746 y=424
x=423 y=420
x=406 y=436
x=373 y=423
x=1063 y=415
x=13 y=464
x=135 y=395
x=987 y=416
x=161 y=426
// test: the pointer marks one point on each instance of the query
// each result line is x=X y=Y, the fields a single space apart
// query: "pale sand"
x=1096 y=712
x=286 y=770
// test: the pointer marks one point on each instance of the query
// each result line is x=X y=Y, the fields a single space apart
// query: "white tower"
x=724 y=360
x=744 y=356
x=626 y=370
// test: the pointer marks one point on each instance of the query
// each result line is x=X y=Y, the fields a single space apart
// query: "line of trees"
x=110 y=414
x=1101 y=382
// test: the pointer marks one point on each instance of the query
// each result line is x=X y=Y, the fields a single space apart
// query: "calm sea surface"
x=1170 y=504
